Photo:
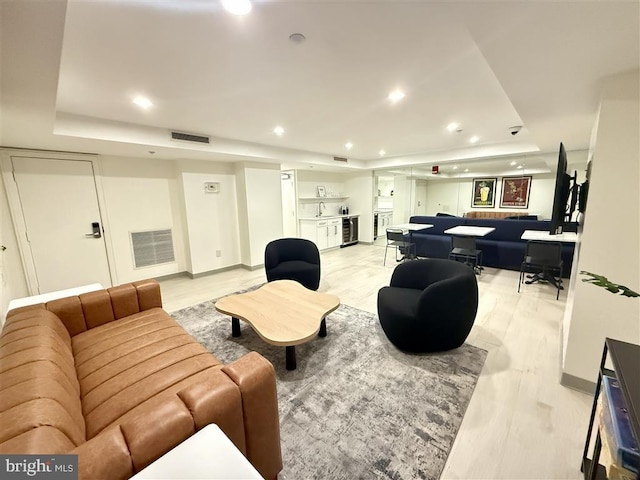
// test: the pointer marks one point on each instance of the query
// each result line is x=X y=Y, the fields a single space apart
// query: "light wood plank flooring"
x=521 y=423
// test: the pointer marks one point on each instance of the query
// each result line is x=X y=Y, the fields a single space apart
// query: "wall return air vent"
x=153 y=247
x=340 y=159
x=190 y=137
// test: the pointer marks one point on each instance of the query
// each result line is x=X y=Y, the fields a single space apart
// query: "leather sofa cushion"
x=37 y=317
x=83 y=312
x=126 y=363
x=38 y=383
x=42 y=440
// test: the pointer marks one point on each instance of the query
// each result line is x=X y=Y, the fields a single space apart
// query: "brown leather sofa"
x=493 y=214
x=110 y=376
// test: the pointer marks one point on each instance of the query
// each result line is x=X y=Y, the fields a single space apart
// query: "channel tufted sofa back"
x=111 y=377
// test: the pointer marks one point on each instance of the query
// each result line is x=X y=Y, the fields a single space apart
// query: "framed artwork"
x=515 y=192
x=322 y=192
x=484 y=192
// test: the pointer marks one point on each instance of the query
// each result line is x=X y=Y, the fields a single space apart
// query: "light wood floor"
x=521 y=423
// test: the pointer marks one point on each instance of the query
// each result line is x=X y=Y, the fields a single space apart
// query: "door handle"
x=95 y=226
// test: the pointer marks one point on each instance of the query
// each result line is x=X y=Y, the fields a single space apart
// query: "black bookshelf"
x=626 y=368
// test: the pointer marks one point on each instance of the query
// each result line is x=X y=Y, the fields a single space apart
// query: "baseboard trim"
x=193 y=276
x=172 y=275
x=252 y=268
x=577 y=383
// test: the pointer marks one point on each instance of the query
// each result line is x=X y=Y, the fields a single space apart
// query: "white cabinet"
x=325 y=233
x=322 y=235
x=385 y=220
x=308 y=230
x=334 y=232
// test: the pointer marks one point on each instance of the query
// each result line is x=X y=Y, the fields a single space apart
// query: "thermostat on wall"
x=212 y=187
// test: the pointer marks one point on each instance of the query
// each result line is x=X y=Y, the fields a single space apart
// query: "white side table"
x=47 y=297
x=208 y=454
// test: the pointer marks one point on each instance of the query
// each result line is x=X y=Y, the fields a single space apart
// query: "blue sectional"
x=502 y=248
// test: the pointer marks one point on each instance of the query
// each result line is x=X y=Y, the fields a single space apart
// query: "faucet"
x=321 y=208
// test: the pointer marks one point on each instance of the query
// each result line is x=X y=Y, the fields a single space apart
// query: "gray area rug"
x=356 y=407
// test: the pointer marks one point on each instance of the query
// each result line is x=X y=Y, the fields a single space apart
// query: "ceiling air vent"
x=340 y=159
x=190 y=137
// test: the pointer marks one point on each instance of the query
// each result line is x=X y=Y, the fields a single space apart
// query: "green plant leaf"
x=604 y=282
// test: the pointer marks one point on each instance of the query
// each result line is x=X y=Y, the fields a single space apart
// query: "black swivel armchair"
x=293 y=259
x=430 y=305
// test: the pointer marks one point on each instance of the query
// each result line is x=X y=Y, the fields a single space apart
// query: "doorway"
x=55 y=206
x=289 y=224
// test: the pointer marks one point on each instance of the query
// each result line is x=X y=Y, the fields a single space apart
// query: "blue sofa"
x=502 y=248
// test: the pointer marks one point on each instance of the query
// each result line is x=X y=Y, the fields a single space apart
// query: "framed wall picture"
x=515 y=192
x=484 y=192
x=322 y=192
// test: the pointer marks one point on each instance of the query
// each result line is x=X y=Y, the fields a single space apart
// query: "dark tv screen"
x=560 y=194
x=582 y=199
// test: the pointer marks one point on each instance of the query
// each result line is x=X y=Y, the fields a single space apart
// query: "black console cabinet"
x=626 y=368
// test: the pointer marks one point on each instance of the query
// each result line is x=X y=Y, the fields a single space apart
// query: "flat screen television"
x=582 y=200
x=560 y=194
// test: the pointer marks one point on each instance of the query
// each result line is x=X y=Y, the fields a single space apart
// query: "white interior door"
x=289 y=227
x=421 y=199
x=61 y=214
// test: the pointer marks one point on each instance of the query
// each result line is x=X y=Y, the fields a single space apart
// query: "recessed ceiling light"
x=474 y=139
x=142 y=102
x=520 y=166
x=452 y=127
x=455 y=167
x=278 y=130
x=466 y=169
x=348 y=145
x=382 y=153
x=237 y=7
x=396 y=95
x=513 y=163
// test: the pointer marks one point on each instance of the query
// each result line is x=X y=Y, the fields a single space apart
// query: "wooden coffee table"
x=282 y=313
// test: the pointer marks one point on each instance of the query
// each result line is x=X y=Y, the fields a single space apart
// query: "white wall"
x=211 y=218
x=403 y=198
x=361 y=192
x=262 y=191
x=611 y=235
x=12 y=279
x=444 y=196
x=541 y=196
x=334 y=183
x=140 y=195
x=454 y=196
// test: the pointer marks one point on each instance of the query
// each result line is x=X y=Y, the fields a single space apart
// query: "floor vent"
x=190 y=137
x=153 y=247
x=340 y=159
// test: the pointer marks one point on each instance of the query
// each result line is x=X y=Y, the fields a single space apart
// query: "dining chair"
x=464 y=248
x=396 y=239
x=542 y=260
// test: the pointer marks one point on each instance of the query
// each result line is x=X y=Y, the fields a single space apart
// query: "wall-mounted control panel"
x=212 y=187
